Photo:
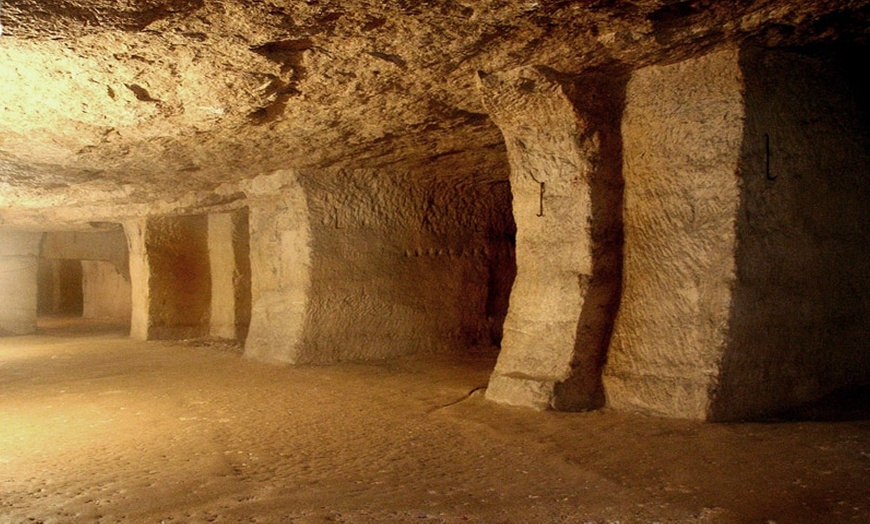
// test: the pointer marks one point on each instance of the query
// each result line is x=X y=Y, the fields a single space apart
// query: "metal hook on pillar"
x=541 y=212
x=767 y=158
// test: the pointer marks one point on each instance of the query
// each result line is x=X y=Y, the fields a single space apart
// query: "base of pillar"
x=520 y=391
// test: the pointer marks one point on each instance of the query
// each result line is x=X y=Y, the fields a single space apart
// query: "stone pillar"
x=170 y=277
x=139 y=278
x=280 y=268
x=564 y=151
x=682 y=132
x=228 y=248
x=19 y=265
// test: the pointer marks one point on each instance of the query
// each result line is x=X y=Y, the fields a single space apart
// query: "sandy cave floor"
x=97 y=427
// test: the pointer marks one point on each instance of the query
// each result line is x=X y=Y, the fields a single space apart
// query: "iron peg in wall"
x=541 y=212
x=767 y=158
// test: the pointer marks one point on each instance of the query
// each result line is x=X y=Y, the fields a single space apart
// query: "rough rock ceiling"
x=108 y=102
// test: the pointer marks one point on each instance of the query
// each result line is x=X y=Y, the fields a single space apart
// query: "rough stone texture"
x=106 y=292
x=565 y=156
x=180 y=287
x=19 y=262
x=134 y=230
x=47 y=289
x=113 y=110
x=411 y=250
x=280 y=267
x=746 y=240
x=374 y=264
x=170 y=277
x=800 y=317
x=228 y=248
x=682 y=132
x=356 y=134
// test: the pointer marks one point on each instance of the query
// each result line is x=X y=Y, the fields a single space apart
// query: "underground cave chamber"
x=686 y=240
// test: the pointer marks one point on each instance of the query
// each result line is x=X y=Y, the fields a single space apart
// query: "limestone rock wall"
x=110 y=246
x=800 y=318
x=180 y=297
x=682 y=132
x=376 y=263
x=105 y=291
x=745 y=283
x=19 y=252
x=401 y=263
x=134 y=230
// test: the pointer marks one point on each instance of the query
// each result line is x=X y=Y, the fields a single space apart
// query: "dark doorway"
x=60 y=288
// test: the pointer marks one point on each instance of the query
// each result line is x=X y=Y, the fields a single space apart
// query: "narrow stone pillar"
x=564 y=151
x=230 y=275
x=170 y=277
x=19 y=265
x=139 y=276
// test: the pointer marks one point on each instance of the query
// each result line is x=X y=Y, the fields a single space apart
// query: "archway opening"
x=83 y=282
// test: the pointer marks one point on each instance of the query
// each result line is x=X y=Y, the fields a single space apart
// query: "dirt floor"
x=95 y=427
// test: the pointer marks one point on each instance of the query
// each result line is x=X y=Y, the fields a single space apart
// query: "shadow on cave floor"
x=844 y=405
x=76 y=326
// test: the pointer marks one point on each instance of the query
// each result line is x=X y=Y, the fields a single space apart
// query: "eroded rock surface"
x=565 y=155
x=120 y=108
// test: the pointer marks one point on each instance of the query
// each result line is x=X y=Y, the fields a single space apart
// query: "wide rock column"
x=19 y=263
x=564 y=151
x=170 y=277
x=280 y=238
x=682 y=131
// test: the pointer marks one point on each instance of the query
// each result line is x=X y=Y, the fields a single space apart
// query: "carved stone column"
x=564 y=149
